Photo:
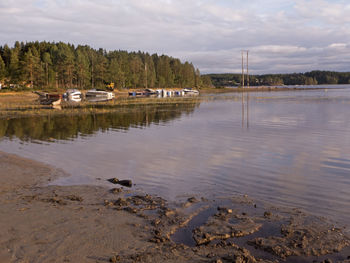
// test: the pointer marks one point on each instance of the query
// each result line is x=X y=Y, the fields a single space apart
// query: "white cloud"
x=322 y=11
x=283 y=36
x=338 y=45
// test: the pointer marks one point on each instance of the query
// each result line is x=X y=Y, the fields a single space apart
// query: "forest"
x=316 y=77
x=46 y=65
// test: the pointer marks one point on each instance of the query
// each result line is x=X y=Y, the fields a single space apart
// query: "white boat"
x=190 y=91
x=73 y=94
x=100 y=94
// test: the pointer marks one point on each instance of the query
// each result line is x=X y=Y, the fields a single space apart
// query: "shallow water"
x=290 y=148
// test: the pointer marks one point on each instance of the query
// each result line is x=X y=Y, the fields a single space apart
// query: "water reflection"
x=70 y=126
x=288 y=148
x=97 y=99
x=245 y=109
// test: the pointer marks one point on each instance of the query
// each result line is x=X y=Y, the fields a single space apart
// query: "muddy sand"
x=46 y=223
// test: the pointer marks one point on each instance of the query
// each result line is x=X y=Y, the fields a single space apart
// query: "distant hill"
x=308 y=78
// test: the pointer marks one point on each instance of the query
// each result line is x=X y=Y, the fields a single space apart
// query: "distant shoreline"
x=267 y=88
x=308 y=78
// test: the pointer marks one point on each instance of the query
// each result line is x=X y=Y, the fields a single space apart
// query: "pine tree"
x=30 y=66
x=47 y=63
x=14 y=70
x=198 y=81
x=2 y=70
x=82 y=69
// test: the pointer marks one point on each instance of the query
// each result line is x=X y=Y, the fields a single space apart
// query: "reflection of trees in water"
x=70 y=126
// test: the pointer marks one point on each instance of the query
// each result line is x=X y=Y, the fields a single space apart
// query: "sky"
x=282 y=36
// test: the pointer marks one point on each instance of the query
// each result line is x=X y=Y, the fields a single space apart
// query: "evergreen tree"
x=14 y=70
x=28 y=67
x=82 y=69
x=2 y=70
x=47 y=63
x=197 y=81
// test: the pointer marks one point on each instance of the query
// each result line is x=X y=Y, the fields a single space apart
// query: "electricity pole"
x=247 y=70
x=243 y=52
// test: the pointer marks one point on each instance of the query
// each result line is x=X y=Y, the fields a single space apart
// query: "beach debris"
x=304 y=236
x=116 y=190
x=74 y=198
x=224 y=225
x=225 y=210
x=127 y=183
x=55 y=200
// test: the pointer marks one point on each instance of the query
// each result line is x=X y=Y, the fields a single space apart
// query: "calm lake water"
x=290 y=148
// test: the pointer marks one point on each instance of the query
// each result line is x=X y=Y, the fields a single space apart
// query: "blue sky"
x=282 y=36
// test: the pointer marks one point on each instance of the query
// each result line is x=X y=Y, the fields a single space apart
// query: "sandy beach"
x=51 y=224
x=41 y=223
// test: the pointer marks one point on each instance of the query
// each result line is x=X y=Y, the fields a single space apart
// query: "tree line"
x=316 y=77
x=43 y=65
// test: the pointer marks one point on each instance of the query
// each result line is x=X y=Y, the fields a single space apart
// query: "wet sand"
x=41 y=223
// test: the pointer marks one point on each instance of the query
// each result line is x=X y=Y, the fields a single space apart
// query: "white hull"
x=100 y=94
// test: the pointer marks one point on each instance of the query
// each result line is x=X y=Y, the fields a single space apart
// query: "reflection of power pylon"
x=248 y=109
x=245 y=110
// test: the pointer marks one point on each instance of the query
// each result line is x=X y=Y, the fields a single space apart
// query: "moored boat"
x=190 y=91
x=50 y=101
x=73 y=94
x=53 y=96
x=146 y=92
x=100 y=94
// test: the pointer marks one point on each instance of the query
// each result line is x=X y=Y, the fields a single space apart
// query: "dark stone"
x=267 y=214
x=113 y=180
x=192 y=200
x=225 y=210
x=127 y=183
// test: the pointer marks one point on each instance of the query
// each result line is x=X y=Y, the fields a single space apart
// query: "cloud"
x=288 y=36
x=324 y=12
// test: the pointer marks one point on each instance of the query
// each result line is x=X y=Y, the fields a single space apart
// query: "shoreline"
x=87 y=223
x=25 y=103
